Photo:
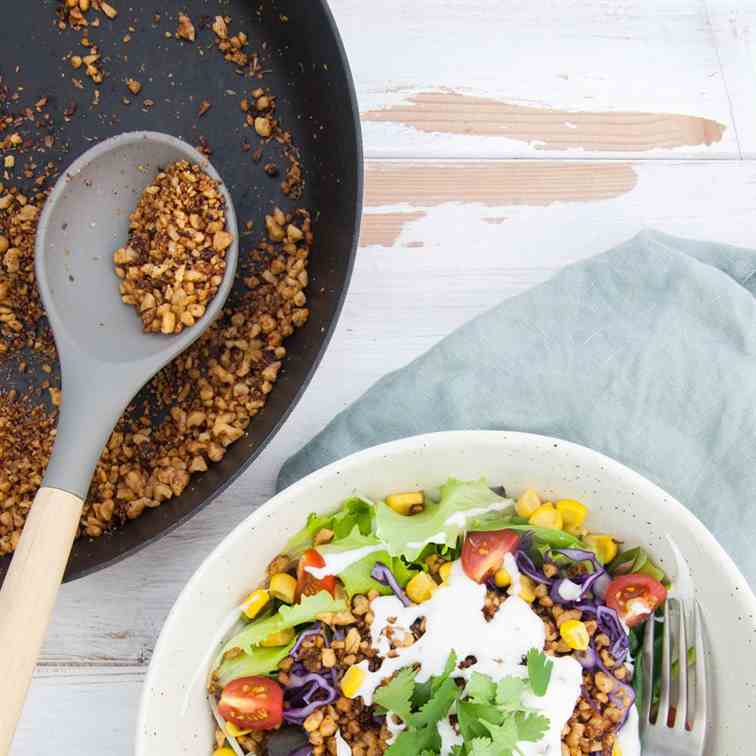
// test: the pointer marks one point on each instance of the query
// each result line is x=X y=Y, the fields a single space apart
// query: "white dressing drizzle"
x=449 y=737
x=628 y=738
x=510 y=565
x=454 y=620
x=569 y=591
x=337 y=561
x=342 y=747
x=394 y=728
x=460 y=519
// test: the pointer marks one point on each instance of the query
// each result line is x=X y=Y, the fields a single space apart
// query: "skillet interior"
x=305 y=67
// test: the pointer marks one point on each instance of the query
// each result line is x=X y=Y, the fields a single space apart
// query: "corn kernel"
x=352 y=681
x=502 y=578
x=281 y=638
x=575 y=634
x=402 y=503
x=225 y=751
x=445 y=571
x=234 y=731
x=547 y=517
x=528 y=502
x=283 y=587
x=573 y=512
x=421 y=587
x=527 y=589
x=255 y=602
x=577 y=530
x=604 y=546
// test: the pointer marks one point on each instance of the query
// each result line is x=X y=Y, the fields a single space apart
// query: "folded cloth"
x=646 y=353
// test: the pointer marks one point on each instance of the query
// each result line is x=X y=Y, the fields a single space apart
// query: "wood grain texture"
x=732 y=24
x=591 y=56
x=549 y=128
x=394 y=190
x=500 y=183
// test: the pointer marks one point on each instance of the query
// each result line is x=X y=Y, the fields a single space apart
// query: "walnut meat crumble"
x=174 y=261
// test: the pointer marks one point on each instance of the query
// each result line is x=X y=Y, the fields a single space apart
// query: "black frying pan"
x=306 y=68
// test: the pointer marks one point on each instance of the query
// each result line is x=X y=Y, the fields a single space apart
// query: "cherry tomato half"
x=309 y=585
x=252 y=703
x=635 y=597
x=483 y=552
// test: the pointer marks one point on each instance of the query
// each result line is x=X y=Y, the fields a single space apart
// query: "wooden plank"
x=732 y=23
x=482 y=78
x=80 y=712
x=549 y=129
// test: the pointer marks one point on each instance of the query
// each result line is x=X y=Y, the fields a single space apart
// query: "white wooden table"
x=503 y=141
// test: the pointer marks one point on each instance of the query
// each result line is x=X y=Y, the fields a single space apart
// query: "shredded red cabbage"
x=305 y=693
x=384 y=576
x=609 y=623
x=526 y=566
x=601 y=584
x=622 y=695
x=586 y=658
x=310 y=632
x=581 y=555
x=305 y=750
x=590 y=699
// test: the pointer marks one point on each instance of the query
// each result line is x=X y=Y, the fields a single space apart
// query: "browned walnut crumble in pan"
x=195 y=408
x=174 y=261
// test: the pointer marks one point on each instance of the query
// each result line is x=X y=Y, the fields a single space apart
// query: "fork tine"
x=666 y=665
x=648 y=670
x=683 y=702
x=699 y=719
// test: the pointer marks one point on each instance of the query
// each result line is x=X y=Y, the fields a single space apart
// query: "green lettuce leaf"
x=556 y=539
x=635 y=560
x=287 y=616
x=261 y=661
x=355 y=512
x=356 y=577
x=407 y=536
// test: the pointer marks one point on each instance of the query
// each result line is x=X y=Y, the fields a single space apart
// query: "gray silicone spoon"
x=105 y=359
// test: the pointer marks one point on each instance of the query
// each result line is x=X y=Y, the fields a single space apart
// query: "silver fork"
x=679 y=728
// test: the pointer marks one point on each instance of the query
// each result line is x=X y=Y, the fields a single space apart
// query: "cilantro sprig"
x=492 y=715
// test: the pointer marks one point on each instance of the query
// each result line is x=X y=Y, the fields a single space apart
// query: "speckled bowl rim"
x=167 y=669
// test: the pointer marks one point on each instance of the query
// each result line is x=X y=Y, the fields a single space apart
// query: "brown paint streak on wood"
x=455 y=113
x=493 y=184
x=383 y=229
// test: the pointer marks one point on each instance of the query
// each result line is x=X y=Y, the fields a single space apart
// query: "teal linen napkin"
x=646 y=353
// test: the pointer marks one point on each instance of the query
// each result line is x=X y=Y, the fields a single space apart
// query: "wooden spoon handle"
x=28 y=596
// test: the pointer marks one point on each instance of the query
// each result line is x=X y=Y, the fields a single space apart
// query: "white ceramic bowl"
x=173 y=717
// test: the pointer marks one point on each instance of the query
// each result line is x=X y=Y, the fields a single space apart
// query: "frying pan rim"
x=327 y=334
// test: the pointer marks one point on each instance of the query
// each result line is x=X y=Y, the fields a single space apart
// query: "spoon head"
x=84 y=221
x=105 y=355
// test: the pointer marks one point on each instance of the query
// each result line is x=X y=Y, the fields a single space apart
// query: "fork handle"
x=28 y=596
